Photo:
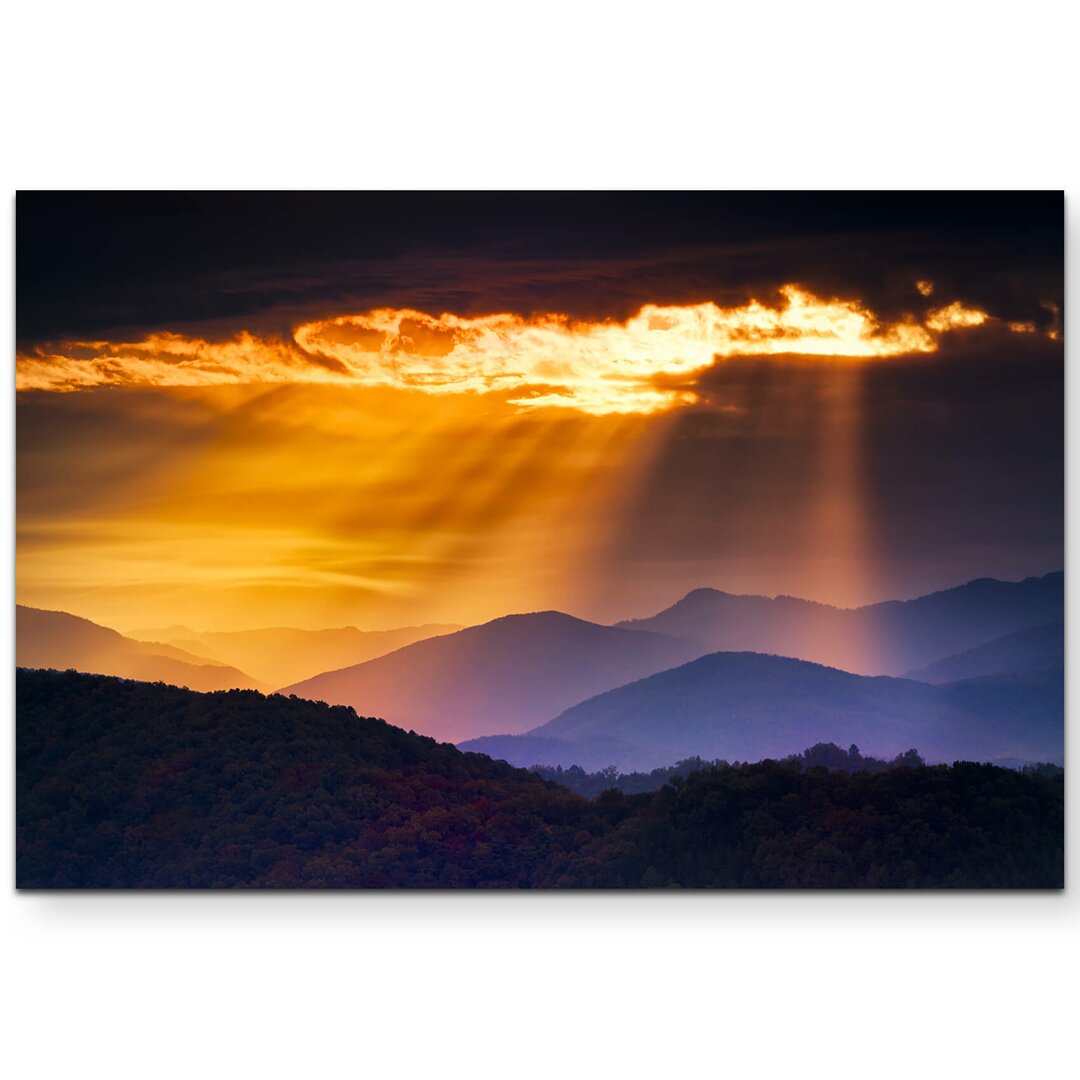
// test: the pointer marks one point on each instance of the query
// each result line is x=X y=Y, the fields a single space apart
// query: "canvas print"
x=548 y=540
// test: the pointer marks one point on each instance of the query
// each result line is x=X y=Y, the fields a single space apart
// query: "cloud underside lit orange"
x=646 y=364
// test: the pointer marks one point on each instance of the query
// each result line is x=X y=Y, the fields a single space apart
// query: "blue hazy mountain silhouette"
x=889 y=638
x=1034 y=649
x=512 y=674
x=749 y=706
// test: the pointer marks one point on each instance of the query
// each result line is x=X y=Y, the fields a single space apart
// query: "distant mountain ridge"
x=1036 y=649
x=512 y=672
x=749 y=706
x=511 y=675
x=888 y=638
x=55 y=639
x=278 y=655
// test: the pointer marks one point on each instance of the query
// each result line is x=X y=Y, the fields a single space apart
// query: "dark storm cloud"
x=92 y=264
x=956 y=466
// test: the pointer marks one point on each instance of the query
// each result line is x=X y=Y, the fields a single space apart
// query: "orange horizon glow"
x=644 y=365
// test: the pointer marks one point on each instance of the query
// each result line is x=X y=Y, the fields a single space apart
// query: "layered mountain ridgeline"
x=54 y=639
x=882 y=639
x=281 y=655
x=509 y=674
x=514 y=673
x=1038 y=648
x=129 y=784
x=746 y=706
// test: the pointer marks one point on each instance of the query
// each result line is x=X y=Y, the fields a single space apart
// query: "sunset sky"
x=380 y=410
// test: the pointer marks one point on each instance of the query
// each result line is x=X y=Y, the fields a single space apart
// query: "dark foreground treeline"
x=826 y=755
x=127 y=784
x=820 y=755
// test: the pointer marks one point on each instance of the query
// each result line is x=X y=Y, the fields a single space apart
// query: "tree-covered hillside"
x=129 y=784
x=141 y=784
x=776 y=825
x=827 y=755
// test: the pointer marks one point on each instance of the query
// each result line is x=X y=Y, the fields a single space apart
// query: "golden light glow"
x=1021 y=327
x=955 y=317
x=643 y=365
x=926 y=288
x=236 y=507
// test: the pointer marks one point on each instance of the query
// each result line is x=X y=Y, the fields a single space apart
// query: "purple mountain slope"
x=748 y=706
x=506 y=675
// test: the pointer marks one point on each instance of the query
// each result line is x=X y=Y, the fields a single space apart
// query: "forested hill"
x=126 y=784
x=824 y=755
x=131 y=784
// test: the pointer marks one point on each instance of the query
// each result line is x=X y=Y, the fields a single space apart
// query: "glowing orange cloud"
x=955 y=317
x=547 y=360
x=168 y=360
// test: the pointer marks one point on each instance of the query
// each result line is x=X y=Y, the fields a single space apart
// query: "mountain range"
x=748 y=706
x=889 y=638
x=280 y=655
x=510 y=675
x=548 y=688
x=1034 y=649
x=507 y=674
x=55 y=639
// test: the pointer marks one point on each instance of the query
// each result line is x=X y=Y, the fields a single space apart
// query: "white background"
x=777 y=95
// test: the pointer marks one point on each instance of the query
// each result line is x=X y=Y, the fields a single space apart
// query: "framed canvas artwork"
x=547 y=540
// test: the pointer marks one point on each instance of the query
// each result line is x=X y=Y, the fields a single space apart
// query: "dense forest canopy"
x=130 y=784
x=827 y=755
